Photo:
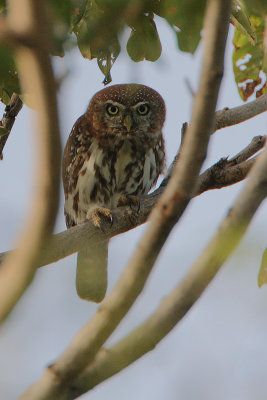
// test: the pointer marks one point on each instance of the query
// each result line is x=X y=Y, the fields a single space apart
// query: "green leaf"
x=249 y=69
x=136 y=47
x=3 y=131
x=256 y=7
x=262 y=276
x=153 y=45
x=112 y=4
x=9 y=81
x=79 y=7
x=241 y=21
x=96 y=33
x=5 y=96
x=2 y=5
x=60 y=12
x=144 y=42
x=107 y=59
x=81 y=31
x=186 y=18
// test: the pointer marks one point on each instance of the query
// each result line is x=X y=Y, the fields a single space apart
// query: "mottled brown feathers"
x=105 y=157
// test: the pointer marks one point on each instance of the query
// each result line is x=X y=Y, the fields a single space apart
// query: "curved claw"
x=97 y=214
x=130 y=200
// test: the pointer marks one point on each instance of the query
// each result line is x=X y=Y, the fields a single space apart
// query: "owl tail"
x=91 y=276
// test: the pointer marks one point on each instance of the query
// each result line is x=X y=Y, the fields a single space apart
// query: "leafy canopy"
x=95 y=26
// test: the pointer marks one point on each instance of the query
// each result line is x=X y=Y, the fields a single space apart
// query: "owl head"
x=121 y=111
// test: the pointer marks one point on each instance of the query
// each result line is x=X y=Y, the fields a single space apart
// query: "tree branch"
x=223 y=173
x=227 y=172
x=255 y=145
x=27 y=18
x=236 y=115
x=86 y=344
x=174 y=306
x=11 y=111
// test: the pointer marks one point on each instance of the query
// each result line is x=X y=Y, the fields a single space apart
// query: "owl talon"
x=130 y=200
x=97 y=215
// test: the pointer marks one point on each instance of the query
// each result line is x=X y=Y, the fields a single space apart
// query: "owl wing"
x=75 y=153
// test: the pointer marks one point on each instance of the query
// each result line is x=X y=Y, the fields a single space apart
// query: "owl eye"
x=143 y=109
x=111 y=109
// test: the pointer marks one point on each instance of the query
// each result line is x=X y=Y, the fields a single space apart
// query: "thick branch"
x=11 y=111
x=86 y=344
x=223 y=173
x=27 y=17
x=144 y=338
x=236 y=115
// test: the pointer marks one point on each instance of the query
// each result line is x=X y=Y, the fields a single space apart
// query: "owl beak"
x=128 y=122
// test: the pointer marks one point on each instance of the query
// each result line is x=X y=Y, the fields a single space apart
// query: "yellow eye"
x=112 y=109
x=143 y=109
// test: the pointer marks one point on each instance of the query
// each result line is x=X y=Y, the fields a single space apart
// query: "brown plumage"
x=114 y=150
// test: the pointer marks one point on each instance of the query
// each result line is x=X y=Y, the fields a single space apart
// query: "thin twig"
x=223 y=174
x=86 y=344
x=256 y=144
x=11 y=111
x=226 y=172
x=27 y=18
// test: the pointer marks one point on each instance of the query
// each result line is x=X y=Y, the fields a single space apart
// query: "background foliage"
x=95 y=26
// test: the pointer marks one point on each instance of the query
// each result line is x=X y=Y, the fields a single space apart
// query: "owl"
x=114 y=155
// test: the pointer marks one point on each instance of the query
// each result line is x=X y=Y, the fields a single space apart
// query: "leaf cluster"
x=95 y=26
x=9 y=79
x=248 y=61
